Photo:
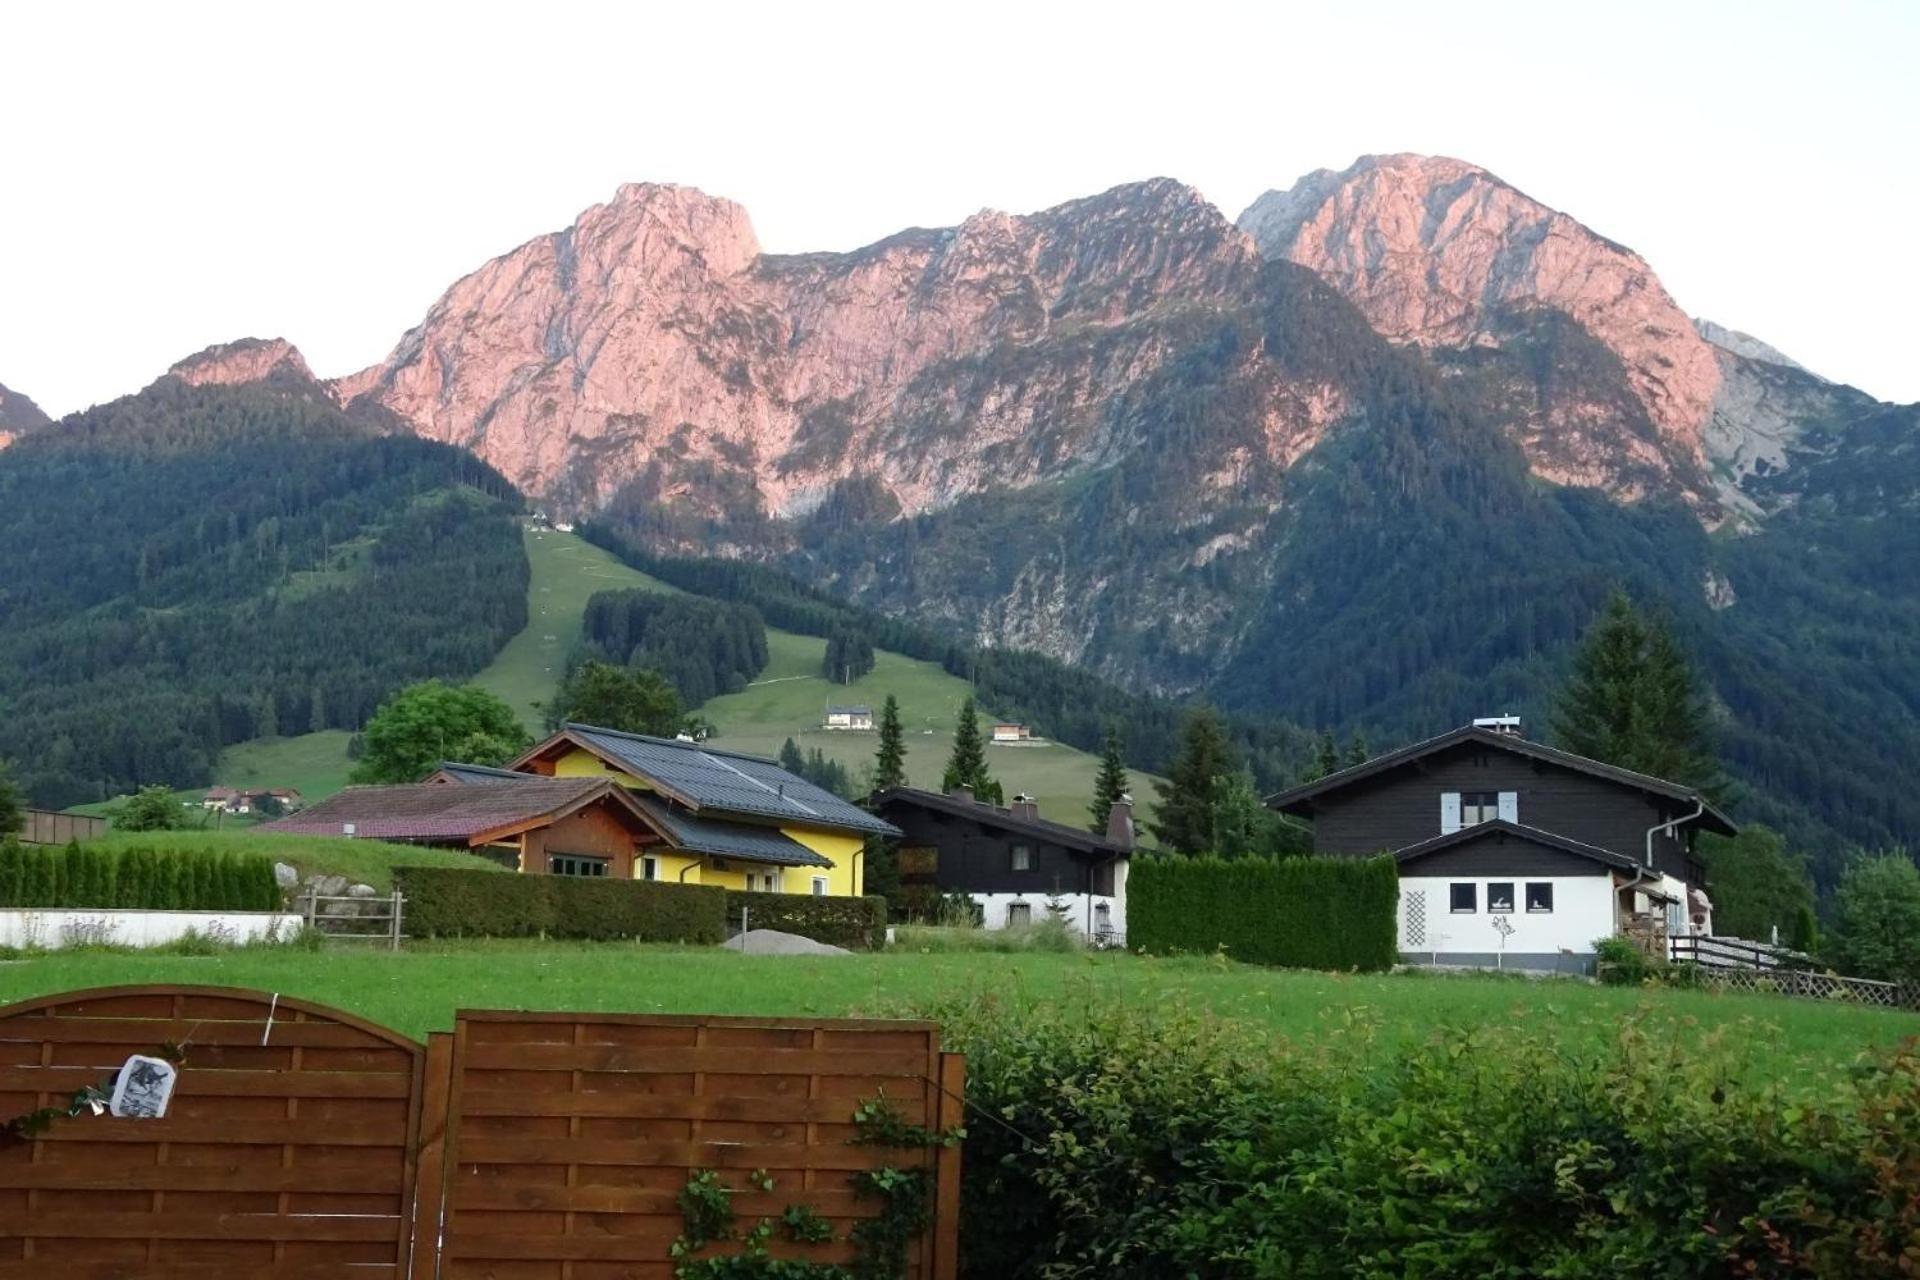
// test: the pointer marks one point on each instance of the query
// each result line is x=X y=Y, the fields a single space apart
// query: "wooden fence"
x=303 y=1142
x=45 y=826
x=344 y=917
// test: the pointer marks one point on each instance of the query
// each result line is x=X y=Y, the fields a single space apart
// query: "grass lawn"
x=418 y=990
x=787 y=701
x=362 y=861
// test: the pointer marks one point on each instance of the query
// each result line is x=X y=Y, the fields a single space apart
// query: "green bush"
x=1109 y=1141
x=858 y=924
x=133 y=878
x=1309 y=913
x=446 y=902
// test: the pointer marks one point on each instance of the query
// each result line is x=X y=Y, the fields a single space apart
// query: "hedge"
x=1155 y=1142
x=1308 y=913
x=858 y=924
x=134 y=878
x=447 y=902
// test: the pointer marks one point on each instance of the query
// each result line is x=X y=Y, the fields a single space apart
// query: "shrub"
x=1622 y=962
x=447 y=902
x=1046 y=935
x=1311 y=913
x=135 y=879
x=1104 y=1140
x=859 y=924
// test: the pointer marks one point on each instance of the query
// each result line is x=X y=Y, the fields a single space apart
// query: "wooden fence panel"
x=571 y=1136
x=287 y=1152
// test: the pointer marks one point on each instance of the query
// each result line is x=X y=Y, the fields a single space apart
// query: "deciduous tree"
x=432 y=721
x=632 y=701
x=1876 y=918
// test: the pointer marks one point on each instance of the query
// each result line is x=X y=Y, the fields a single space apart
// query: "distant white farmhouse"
x=1006 y=731
x=849 y=718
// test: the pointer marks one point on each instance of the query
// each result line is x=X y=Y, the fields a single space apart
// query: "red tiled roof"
x=425 y=811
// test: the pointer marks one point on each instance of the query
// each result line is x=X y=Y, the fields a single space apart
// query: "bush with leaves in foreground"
x=1103 y=1141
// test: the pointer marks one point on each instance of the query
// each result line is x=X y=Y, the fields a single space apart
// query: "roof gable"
x=1299 y=800
x=1513 y=830
x=474 y=814
x=989 y=815
x=711 y=780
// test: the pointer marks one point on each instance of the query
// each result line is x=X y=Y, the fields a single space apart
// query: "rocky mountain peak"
x=245 y=360
x=1443 y=254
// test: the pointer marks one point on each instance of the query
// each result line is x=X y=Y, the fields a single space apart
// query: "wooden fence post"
x=312 y=909
x=946 y=1218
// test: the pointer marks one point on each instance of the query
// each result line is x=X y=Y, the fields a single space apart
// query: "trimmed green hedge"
x=134 y=878
x=1306 y=913
x=445 y=902
x=858 y=924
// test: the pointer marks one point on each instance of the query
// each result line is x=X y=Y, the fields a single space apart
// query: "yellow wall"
x=844 y=878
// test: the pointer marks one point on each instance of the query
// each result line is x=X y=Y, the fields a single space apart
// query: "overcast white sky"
x=174 y=175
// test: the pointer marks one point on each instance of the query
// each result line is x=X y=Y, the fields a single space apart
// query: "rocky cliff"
x=229 y=364
x=18 y=415
x=1441 y=253
x=652 y=344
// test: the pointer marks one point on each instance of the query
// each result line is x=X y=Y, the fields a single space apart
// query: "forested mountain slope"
x=196 y=566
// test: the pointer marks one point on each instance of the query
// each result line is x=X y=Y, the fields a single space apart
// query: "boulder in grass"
x=772 y=942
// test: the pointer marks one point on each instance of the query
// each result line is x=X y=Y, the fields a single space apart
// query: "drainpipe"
x=854 y=866
x=1699 y=808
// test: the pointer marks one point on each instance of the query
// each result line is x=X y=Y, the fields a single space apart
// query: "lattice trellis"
x=1416 y=919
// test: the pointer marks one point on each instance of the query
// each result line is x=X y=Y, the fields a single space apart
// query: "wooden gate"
x=573 y=1135
x=287 y=1151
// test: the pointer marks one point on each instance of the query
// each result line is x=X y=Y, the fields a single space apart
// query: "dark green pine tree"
x=1633 y=701
x=967 y=766
x=890 y=761
x=1110 y=785
x=1326 y=756
x=790 y=758
x=12 y=807
x=1183 y=820
x=1357 y=752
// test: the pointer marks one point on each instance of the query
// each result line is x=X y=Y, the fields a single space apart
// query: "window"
x=1500 y=897
x=1019 y=913
x=1022 y=858
x=919 y=860
x=649 y=868
x=1479 y=806
x=570 y=864
x=1465 y=898
x=819 y=886
x=1539 y=896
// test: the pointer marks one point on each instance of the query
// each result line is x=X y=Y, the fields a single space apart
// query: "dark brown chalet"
x=1512 y=852
x=1014 y=864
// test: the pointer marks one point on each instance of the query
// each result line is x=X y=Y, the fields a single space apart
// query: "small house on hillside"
x=239 y=801
x=848 y=718
x=1513 y=853
x=1015 y=865
x=1007 y=731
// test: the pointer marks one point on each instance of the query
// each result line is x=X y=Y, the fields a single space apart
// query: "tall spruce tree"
x=967 y=766
x=790 y=758
x=12 y=809
x=890 y=761
x=1326 y=756
x=1183 y=820
x=1357 y=752
x=1633 y=701
x=1110 y=785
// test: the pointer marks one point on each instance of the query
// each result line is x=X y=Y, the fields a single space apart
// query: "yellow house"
x=735 y=820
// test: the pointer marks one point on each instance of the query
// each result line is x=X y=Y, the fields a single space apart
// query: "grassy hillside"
x=787 y=700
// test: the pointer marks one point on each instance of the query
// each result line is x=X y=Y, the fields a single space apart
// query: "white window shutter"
x=1449 y=812
x=1509 y=806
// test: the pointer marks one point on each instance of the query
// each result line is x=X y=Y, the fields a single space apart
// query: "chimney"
x=1024 y=806
x=1120 y=822
x=962 y=791
x=1509 y=725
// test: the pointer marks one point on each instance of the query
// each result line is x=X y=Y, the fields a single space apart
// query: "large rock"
x=772 y=942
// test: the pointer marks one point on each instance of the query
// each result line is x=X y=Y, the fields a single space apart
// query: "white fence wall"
x=81 y=926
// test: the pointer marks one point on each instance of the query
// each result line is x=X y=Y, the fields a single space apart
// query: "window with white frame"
x=1464 y=899
x=1478 y=806
x=1022 y=858
x=819 y=886
x=1539 y=897
x=649 y=868
x=1019 y=913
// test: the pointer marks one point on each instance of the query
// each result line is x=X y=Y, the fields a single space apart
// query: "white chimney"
x=1509 y=725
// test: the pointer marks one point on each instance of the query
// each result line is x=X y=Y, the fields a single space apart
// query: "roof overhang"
x=1532 y=835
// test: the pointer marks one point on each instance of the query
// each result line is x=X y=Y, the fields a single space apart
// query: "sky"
x=177 y=175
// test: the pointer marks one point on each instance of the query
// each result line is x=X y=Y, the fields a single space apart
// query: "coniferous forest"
x=194 y=567
x=704 y=648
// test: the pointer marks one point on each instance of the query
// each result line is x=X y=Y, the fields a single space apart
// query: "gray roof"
x=477 y=773
x=1078 y=839
x=1533 y=835
x=1297 y=799
x=704 y=778
x=685 y=831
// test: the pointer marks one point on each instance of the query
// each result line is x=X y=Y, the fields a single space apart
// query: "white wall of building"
x=1583 y=910
x=53 y=930
x=1083 y=912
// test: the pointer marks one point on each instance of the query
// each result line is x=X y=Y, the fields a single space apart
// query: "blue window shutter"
x=1449 y=812
x=1509 y=806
